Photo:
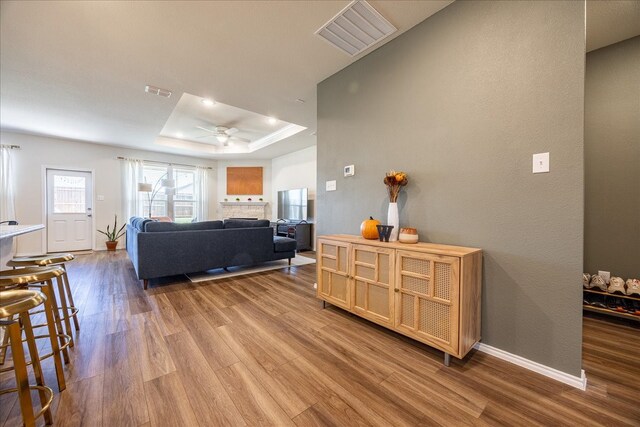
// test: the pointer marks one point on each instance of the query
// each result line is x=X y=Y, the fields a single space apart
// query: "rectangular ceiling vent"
x=157 y=91
x=357 y=27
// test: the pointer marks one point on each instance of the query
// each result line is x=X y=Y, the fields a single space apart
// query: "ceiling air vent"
x=157 y=91
x=357 y=27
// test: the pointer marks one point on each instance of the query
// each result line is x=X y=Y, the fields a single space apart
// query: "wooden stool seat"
x=42 y=278
x=18 y=302
x=41 y=260
x=49 y=260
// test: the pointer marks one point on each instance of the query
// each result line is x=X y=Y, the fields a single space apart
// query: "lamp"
x=152 y=191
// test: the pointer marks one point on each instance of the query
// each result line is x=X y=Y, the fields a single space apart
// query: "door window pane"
x=69 y=194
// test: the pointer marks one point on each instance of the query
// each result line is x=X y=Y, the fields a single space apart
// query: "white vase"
x=393 y=219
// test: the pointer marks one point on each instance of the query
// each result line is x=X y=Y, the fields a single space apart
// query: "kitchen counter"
x=7 y=235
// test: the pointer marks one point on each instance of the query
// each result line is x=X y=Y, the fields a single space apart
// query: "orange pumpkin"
x=368 y=228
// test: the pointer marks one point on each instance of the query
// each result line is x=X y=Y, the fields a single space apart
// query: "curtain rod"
x=10 y=147
x=164 y=163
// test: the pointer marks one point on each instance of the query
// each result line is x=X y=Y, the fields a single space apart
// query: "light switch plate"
x=100 y=198
x=606 y=275
x=541 y=163
x=349 y=170
x=331 y=185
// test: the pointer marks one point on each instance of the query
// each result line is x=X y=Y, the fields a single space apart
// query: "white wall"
x=222 y=184
x=294 y=170
x=37 y=152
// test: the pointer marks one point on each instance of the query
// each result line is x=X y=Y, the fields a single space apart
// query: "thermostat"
x=349 y=170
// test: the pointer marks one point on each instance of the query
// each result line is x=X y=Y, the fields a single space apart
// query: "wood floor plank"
x=123 y=399
x=81 y=403
x=219 y=355
x=154 y=357
x=254 y=402
x=209 y=400
x=166 y=316
x=168 y=403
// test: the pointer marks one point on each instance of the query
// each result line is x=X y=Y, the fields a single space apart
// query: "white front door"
x=69 y=210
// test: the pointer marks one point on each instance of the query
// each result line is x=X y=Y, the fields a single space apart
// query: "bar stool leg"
x=70 y=296
x=5 y=343
x=22 y=379
x=35 y=362
x=65 y=309
x=49 y=310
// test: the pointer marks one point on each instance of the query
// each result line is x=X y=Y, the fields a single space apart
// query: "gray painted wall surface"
x=461 y=102
x=612 y=160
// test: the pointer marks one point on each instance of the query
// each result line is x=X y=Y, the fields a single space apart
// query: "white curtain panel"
x=7 y=204
x=201 y=194
x=132 y=171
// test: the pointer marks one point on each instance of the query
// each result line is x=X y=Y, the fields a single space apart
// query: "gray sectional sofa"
x=159 y=249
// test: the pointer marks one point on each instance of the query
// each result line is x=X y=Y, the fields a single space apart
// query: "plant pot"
x=111 y=245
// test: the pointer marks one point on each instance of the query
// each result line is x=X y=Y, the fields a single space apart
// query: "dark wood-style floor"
x=260 y=350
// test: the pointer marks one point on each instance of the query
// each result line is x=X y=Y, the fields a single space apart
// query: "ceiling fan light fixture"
x=222 y=138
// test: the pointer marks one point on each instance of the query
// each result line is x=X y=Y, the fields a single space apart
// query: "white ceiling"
x=611 y=21
x=78 y=69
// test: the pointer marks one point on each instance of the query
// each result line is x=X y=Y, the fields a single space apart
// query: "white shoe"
x=616 y=284
x=586 y=278
x=598 y=282
x=633 y=287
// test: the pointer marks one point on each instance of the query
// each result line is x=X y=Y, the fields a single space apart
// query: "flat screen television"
x=293 y=205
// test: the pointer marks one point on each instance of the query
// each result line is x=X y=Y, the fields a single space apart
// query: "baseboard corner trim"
x=572 y=380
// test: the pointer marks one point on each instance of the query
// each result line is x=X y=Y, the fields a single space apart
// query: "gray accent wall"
x=612 y=160
x=461 y=102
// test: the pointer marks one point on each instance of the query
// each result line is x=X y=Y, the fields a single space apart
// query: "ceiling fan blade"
x=205 y=129
x=237 y=138
x=231 y=131
x=204 y=136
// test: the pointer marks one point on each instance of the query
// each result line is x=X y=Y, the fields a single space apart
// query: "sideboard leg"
x=447 y=359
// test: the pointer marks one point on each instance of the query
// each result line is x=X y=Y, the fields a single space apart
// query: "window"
x=182 y=203
x=69 y=194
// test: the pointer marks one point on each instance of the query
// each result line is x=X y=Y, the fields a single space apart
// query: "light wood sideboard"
x=426 y=291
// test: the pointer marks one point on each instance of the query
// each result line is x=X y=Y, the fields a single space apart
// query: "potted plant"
x=113 y=235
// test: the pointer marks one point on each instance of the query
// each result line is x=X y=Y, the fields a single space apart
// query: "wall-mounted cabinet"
x=426 y=291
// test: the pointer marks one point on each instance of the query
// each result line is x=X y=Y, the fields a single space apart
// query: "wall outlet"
x=606 y=275
x=349 y=170
x=331 y=185
x=541 y=163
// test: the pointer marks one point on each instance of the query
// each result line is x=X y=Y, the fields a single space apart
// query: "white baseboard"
x=577 y=382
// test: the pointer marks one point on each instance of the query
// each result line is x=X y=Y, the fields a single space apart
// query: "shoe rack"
x=617 y=301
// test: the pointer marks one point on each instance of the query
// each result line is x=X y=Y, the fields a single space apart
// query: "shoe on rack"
x=633 y=287
x=616 y=284
x=598 y=282
x=586 y=278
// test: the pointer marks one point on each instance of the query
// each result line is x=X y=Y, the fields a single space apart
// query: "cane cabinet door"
x=372 y=283
x=333 y=272
x=427 y=292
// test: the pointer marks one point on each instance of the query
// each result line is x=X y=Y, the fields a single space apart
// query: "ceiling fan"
x=223 y=134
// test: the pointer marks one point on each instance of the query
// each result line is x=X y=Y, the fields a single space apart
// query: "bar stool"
x=18 y=302
x=69 y=310
x=42 y=278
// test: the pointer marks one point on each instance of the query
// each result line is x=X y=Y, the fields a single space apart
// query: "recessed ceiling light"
x=179 y=135
x=273 y=121
x=300 y=100
x=208 y=102
x=313 y=133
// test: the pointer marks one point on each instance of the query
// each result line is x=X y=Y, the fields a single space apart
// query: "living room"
x=460 y=98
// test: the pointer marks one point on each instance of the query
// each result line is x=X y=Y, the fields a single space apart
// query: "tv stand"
x=299 y=230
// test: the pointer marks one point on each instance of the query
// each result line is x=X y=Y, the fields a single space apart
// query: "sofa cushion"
x=246 y=223
x=283 y=244
x=139 y=223
x=175 y=226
